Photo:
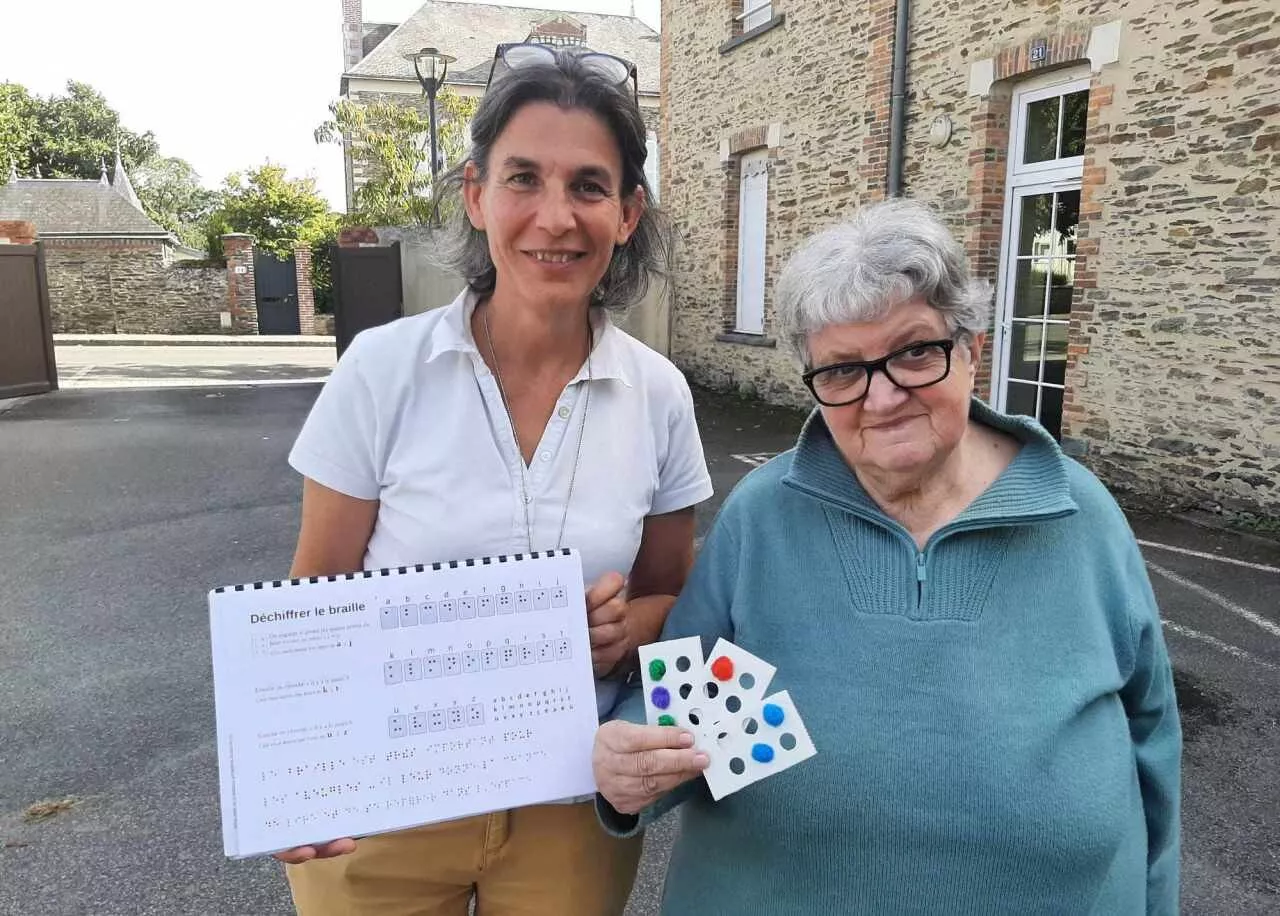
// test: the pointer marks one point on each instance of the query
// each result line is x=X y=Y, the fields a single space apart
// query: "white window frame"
x=653 y=164
x=749 y=314
x=1022 y=180
x=755 y=13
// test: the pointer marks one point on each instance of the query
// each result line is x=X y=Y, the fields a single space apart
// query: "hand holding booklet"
x=374 y=701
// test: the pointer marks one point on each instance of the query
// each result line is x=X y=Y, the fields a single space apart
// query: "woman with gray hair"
x=516 y=419
x=960 y=614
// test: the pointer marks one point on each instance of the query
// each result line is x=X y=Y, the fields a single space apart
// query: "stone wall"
x=1173 y=375
x=121 y=287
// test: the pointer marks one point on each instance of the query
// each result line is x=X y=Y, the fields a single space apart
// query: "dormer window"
x=560 y=32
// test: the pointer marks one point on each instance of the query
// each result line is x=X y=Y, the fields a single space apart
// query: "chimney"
x=352 y=34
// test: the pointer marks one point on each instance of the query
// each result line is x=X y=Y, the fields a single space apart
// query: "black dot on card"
x=695 y=716
x=682 y=663
x=685 y=690
x=710 y=690
x=737 y=767
x=722 y=739
x=733 y=704
x=750 y=726
x=788 y=742
x=747 y=681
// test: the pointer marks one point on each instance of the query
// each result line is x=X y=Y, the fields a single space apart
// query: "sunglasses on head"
x=517 y=55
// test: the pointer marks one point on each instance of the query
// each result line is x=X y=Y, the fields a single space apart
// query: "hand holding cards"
x=746 y=735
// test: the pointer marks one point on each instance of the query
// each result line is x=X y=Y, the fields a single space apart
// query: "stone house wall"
x=126 y=287
x=1173 y=373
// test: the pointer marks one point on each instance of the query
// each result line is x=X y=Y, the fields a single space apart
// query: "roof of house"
x=471 y=32
x=60 y=206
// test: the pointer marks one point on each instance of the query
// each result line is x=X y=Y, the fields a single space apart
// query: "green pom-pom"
x=666 y=720
x=657 y=668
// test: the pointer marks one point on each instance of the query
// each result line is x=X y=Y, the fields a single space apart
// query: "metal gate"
x=26 y=332
x=367 y=290
x=276 y=282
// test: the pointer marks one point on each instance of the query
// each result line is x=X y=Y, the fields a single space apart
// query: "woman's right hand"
x=635 y=765
x=299 y=854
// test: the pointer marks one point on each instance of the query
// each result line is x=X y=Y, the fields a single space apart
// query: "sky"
x=225 y=85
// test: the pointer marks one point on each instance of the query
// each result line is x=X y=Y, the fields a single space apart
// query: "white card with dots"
x=363 y=703
x=746 y=735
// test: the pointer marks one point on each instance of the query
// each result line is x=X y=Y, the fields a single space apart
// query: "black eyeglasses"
x=918 y=365
x=614 y=70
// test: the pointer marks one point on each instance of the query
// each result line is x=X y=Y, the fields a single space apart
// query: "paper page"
x=359 y=704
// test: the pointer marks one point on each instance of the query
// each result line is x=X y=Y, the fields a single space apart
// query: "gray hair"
x=888 y=253
x=461 y=247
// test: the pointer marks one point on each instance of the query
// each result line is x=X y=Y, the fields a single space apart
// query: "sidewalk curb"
x=191 y=340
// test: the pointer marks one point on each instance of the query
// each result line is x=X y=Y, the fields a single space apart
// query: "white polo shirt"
x=413 y=418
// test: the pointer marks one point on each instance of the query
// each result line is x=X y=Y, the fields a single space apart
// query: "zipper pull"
x=920 y=573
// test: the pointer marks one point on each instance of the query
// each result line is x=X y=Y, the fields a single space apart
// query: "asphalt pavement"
x=120 y=508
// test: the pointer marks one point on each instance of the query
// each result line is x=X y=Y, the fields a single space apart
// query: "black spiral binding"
x=400 y=570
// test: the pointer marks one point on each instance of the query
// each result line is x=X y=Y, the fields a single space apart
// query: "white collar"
x=452 y=334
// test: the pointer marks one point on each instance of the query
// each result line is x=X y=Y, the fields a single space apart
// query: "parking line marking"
x=1261 y=567
x=1214 y=597
x=1226 y=647
x=755 y=459
x=82 y=373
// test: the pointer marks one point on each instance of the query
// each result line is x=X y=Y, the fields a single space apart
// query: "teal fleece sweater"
x=995 y=718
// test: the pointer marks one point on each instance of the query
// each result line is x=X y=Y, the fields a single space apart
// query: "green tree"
x=73 y=134
x=278 y=211
x=391 y=141
x=17 y=128
x=172 y=195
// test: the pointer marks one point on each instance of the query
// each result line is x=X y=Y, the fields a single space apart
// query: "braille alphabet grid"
x=374 y=701
x=746 y=735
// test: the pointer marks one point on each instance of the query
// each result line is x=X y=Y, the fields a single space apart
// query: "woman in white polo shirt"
x=517 y=418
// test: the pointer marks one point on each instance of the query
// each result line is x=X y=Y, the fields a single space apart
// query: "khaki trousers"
x=544 y=860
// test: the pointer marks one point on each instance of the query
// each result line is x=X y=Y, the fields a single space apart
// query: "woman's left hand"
x=607 y=623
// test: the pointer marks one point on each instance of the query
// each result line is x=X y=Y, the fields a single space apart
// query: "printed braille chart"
x=357 y=704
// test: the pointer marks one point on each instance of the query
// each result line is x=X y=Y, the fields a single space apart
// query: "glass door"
x=1042 y=269
x=1038 y=256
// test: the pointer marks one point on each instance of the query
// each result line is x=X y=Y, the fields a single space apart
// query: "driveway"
x=120 y=508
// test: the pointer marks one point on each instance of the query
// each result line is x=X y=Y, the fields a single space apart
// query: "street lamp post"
x=431 y=67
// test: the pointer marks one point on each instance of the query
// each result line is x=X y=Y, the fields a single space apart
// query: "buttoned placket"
x=549 y=470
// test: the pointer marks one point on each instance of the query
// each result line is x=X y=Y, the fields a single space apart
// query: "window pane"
x=1051 y=410
x=1067 y=219
x=1024 y=350
x=1055 y=354
x=756 y=13
x=1042 y=131
x=1061 y=282
x=1075 y=114
x=1029 y=288
x=1020 y=399
x=1035 y=225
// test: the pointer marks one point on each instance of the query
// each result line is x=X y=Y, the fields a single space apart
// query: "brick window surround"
x=988 y=165
x=732 y=149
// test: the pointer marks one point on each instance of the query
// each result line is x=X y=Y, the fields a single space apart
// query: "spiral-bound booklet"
x=363 y=703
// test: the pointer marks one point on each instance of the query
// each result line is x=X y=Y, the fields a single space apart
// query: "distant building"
x=110 y=266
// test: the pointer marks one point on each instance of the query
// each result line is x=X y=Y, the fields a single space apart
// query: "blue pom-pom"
x=773 y=714
x=761 y=753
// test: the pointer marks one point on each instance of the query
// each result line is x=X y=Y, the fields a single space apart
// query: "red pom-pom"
x=722 y=668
